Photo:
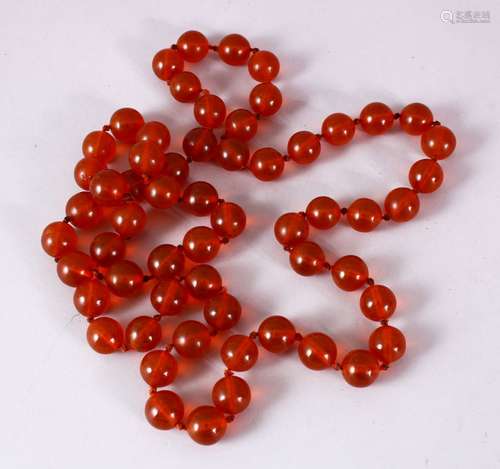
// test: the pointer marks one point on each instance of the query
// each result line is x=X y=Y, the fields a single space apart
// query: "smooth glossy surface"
x=164 y=410
x=231 y=394
x=426 y=176
x=387 y=343
x=402 y=204
x=105 y=335
x=201 y=244
x=166 y=261
x=75 y=268
x=323 y=213
x=228 y=219
x=416 y=118
x=239 y=353
x=185 y=87
x=124 y=278
x=267 y=164
x=176 y=166
x=263 y=66
x=143 y=333
x=364 y=215
x=265 y=99
x=99 y=145
x=200 y=144
x=210 y=111
x=360 y=368
x=438 y=142
x=146 y=158
x=85 y=170
x=276 y=334
x=304 y=147
x=125 y=123
x=307 y=258
x=107 y=248
x=291 y=229
x=129 y=219
x=83 y=211
x=203 y=281
x=108 y=187
x=163 y=192
x=193 y=46
x=349 y=273
x=136 y=184
x=91 y=298
x=376 y=118
x=59 y=238
x=338 y=129
x=378 y=302
x=206 y=425
x=233 y=154
x=234 y=49
x=317 y=351
x=158 y=368
x=199 y=198
x=155 y=132
x=166 y=63
x=169 y=297
x=222 y=311
x=241 y=124
x=191 y=339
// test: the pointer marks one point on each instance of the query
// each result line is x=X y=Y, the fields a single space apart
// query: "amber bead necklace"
x=180 y=273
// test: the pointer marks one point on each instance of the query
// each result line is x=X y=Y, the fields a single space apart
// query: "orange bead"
x=99 y=145
x=231 y=394
x=291 y=229
x=376 y=118
x=124 y=278
x=222 y=311
x=265 y=99
x=304 y=147
x=364 y=215
x=169 y=297
x=416 y=118
x=378 y=302
x=438 y=142
x=125 y=123
x=317 y=351
x=203 y=281
x=193 y=46
x=164 y=410
x=185 y=87
x=159 y=368
x=200 y=144
x=233 y=154
x=241 y=124
x=59 y=238
x=191 y=339
x=155 y=132
x=267 y=164
x=234 y=49
x=206 y=425
x=349 y=273
x=209 y=111
x=307 y=258
x=166 y=63
x=83 y=212
x=129 y=219
x=201 y=244
x=263 y=66
x=135 y=184
x=176 y=166
x=85 y=170
x=276 y=334
x=199 y=198
x=338 y=129
x=108 y=187
x=163 y=192
x=166 y=261
x=402 y=204
x=91 y=298
x=387 y=343
x=105 y=335
x=75 y=268
x=228 y=219
x=143 y=333
x=107 y=248
x=360 y=368
x=426 y=176
x=239 y=353
x=323 y=213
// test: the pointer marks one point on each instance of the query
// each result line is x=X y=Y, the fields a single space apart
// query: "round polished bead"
x=317 y=351
x=426 y=176
x=75 y=268
x=438 y=142
x=231 y=394
x=203 y=281
x=387 y=343
x=164 y=410
x=209 y=111
x=193 y=46
x=85 y=170
x=263 y=66
x=146 y=158
x=416 y=118
x=163 y=192
x=135 y=184
x=169 y=297
x=228 y=219
x=402 y=204
x=166 y=261
x=338 y=129
x=143 y=333
x=191 y=339
x=185 y=87
x=241 y=124
x=364 y=215
x=222 y=311
x=99 y=145
x=291 y=229
x=155 y=132
x=91 y=298
x=166 y=63
x=376 y=118
x=360 y=368
x=206 y=425
x=107 y=248
x=276 y=334
x=83 y=211
x=201 y=244
x=265 y=99
x=59 y=238
x=125 y=123
x=105 y=335
x=323 y=213
x=129 y=219
x=307 y=258
x=239 y=353
x=349 y=273
x=378 y=302
x=304 y=147
x=108 y=187
x=200 y=144
x=124 y=278
x=176 y=166
x=199 y=198
x=159 y=368
x=267 y=164
x=233 y=154
x=234 y=49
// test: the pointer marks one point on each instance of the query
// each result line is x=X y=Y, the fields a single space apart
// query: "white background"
x=66 y=66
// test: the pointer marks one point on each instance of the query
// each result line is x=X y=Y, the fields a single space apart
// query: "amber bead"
x=164 y=410
x=233 y=154
x=83 y=211
x=323 y=213
x=91 y=298
x=143 y=333
x=231 y=394
x=304 y=147
x=108 y=187
x=209 y=111
x=85 y=170
x=163 y=192
x=176 y=166
x=307 y=258
x=416 y=118
x=135 y=184
x=159 y=368
x=267 y=164
x=317 y=351
x=193 y=46
x=276 y=334
x=107 y=248
x=206 y=425
x=364 y=215
x=222 y=311
x=360 y=368
x=75 y=267
x=125 y=123
x=239 y=353
x=59 y=238
x=191 y=339
x=263 y=66
x=129 y=219
x=146 y=158
x=105 y=335
x=234 y=49
x=438 y=142
x=99 y=145
x=199 y=198
x=168 y=297
x=265 y=99
x=291 y=229
x=349 y=273
x=376 y=118
x=124 y=278
x=338 y=129
x=426 y=176
x=241 y=124
x=200 y=144
x=166 y=261
x=203 y=281
x=228 y=219
x=387 y=343
x=201 y=244
x=185 y=87
x=155 y=132
x=402 y=204
x=166 y=63
x=378 y=302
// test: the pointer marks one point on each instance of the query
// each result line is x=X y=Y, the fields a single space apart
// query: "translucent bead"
x=185 y=87
x=323 y=213
x=291 y=229
x=402 y=204
x=276 y=334
x=267 y=164
x=228 y=219
x=155 y=132
x=176 y=166
x=206 y=425
x=75 y=268
x=438 y=142
x=317 y=351
x=83 y=212
x=166 y=261
x=105 y=335
x=169 y=297
x=135 y=184
x=146 y=158
x=376 y=118
x=107 y=248
x=166 y=63
x=338 y=129
x=233 y=154
x=100 y=146
x=241 y=124
x=85 y=170
x=239 y=353
x=200 y=144
x=304 y=147
x=143 y=333
x=209 y=111
x=307 y=258
x=201 y=244
x=387 y=343
x=91 y=298
x=222 y=311
x=364 y=215
x=129 y=219
x=59 y=238
x=199 y=198
x=193 y=46
x=360 y=368
x=203 y=281
x=378 y=302
x=416 y=118
x=234 y=49
x=164 y=410
x=426 y=176
x=125 y=123
x=108 y=187
x=263 y=66
x=163 y=192
x=349 y=273
x=265 y=99
x=231 y=394
x=124 y=278
x=191 y=339
x=159 y=368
